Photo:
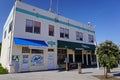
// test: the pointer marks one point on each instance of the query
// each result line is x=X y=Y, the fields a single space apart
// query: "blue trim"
x=22 y=41
x=51 y=19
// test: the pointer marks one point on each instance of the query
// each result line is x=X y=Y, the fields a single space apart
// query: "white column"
x=98 y=66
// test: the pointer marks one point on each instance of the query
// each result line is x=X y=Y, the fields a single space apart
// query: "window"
x=33 y=26
x=37 y=51
x=51 y=30
x=25 y=50
x=10 y=26
x=91 y=38
x=64 y=33
x=78 y=55
x=29 y=26
x=37 y=26
x=61 y=56
x=50 y=50
x=79 y=36
x=4 y=34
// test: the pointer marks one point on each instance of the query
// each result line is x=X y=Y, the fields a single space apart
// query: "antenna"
x=50 y=9
x=57 y=6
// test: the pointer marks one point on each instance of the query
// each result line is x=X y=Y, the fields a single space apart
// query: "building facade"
x=35 y=39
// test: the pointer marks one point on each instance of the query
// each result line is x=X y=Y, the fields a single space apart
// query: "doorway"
x=89 y=59
x=85 y=63
x=25 y=62
x=50 y=59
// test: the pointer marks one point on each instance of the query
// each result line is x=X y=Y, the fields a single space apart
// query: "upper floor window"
x=79 y=36
x=10 y=26
x=51 y=30
x=64 y=33
x=90 y=38
x=37 y=26
x=29 y=26
x=4 y=34
x=33 y=26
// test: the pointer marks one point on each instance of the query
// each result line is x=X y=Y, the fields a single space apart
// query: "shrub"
x=3 y=70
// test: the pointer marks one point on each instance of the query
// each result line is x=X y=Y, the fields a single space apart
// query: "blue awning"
x=22 y=41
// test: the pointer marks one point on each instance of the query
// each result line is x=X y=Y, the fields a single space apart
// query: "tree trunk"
x=108 y=70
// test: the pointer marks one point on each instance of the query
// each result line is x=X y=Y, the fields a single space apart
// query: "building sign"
x=37 y=60
x=51 y=43
x=85 y=46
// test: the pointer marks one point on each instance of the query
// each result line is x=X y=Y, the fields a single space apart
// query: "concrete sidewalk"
x=58 y=75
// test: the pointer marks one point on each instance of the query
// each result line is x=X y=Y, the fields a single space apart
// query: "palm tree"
x=107 y=55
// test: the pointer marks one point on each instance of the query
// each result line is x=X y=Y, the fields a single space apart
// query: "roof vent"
x=89 y=23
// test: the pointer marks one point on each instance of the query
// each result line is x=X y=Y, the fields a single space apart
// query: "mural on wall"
x=25 y=59
x=37 y=60
x=15 y=57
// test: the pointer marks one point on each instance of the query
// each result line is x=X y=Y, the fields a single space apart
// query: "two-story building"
x=35 y=39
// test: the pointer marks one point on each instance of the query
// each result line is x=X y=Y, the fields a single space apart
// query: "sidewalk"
x=58 y=75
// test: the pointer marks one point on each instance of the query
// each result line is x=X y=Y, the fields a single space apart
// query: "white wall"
x=19 y=31
x=5 y=57
x=20 y=25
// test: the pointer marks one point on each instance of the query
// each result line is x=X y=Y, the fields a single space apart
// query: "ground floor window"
x=62 y=54
x=71 y=58
x=78 y=56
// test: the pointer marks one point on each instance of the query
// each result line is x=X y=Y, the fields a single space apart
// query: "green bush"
x=3 y=70
x=0 y=65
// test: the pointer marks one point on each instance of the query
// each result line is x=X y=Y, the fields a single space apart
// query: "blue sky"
x=103 y=14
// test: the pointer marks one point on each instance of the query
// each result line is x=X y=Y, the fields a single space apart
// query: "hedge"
x=3 y=70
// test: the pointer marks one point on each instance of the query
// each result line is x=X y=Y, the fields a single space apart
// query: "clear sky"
x=103 y=14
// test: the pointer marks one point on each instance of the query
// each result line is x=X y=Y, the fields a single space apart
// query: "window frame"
x=28 y=26
x=37 y=27
x=5 y=33
x=64 y=33
x=79 y=36
x=40 y=51
x=90 y=38
x=10 y=26
x=27 y=50
x=51 y=33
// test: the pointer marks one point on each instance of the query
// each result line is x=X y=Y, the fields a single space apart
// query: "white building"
x=35 y=39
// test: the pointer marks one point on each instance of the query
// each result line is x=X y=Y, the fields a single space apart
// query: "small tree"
x=107 y=55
